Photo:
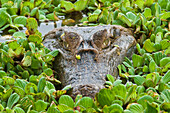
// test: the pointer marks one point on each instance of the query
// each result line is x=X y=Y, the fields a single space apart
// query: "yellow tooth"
x=104 y=44
x=67 y=45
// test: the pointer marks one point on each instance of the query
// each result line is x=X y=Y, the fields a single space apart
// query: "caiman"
x=88 y=54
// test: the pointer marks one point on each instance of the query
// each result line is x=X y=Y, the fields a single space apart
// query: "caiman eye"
x=100 y=40
x=71 y=40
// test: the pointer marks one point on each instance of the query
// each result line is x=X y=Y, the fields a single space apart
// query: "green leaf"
x=165 y=106
x=21 y=83
x=4 y=27
x=166 y=77
x=2 y=74
x=11 y=53
x=30 y=88
x=19 y=91
x=19 y=68
x=143 y=100
x=18 y=110
x=66 y=100
x=35 y=38
x=149 y=83
x=32 y=46
x=139 y=80
x=163 y=3
x=34 y=11
x=26 y=61
x=165 y=15
x=127 y=111
x=152 y=108
x=67 y=5
x=63 y=107
x=35 y=64
x=147 y=13
x=93 y=18
x=145 y=69
x=105 y=97
x=25 y=11
x=136 y=108
x=80 y=5
x=41 y=84
x=128 y=61
x=120 y=91
x=40 y=105
x=118 y=102
x=164 y=61
x=116 y=108
x=52 y=109
x=13 y=99
x=157 y=57
x=117 y=82
x=13 y=45
x=48 y=71
x=1 y=107
x=165 y=44
x=158 y=37
x=137 y=60
x=50 y=16
x=6 y=95
x=165 y=95
x=20 y=20
x=32 y=25
x=124 y=19
x=131 y=16
x=148 y=2
x=19 y=35
x=68 y=111
x=148 y=46
x=4 y=17
x=86 y=102
x=54 y=53
x=152 y=66
x=110 y=78
x=33 y=111
x=8 y=80
x=140 y=3
x=131 y=92
x=25 y=74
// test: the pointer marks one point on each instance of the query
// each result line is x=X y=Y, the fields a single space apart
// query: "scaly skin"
x=102 y=49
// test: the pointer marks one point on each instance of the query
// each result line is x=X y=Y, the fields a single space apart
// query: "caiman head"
x=88 y=54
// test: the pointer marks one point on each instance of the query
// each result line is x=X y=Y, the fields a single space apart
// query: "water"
x=44 y=27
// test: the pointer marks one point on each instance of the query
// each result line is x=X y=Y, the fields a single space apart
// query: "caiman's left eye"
x=100 y=40
x=71 y=40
